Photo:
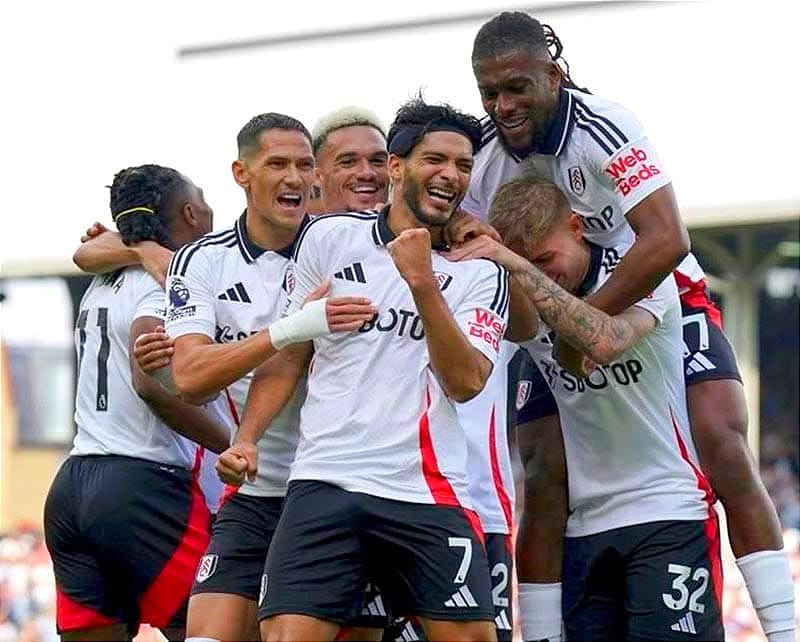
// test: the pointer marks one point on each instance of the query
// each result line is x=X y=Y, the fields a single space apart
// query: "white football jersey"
x=376 y=419
x=598 y=155
x=629 y=450
x=490 y=476
x=111 y=417
x=227 y=288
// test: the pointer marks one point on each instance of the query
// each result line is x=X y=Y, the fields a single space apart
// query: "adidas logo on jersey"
x=462 y=597
x=352 y=273
x=237 y=293
x=685 y=624
x=408 y=634
x=502 y=622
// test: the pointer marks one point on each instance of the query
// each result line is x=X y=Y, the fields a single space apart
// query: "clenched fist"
x=238 y=461
x=411 y=253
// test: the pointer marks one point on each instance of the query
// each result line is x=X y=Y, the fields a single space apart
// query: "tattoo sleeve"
x=588 y=329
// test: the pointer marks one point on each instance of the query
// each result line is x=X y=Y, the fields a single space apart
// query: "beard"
x=411 y=195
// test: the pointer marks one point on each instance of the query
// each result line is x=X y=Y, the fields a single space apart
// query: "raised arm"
x=598 y=335
x=461 y=368
x=106 y=252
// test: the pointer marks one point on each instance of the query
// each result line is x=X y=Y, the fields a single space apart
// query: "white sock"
x=201 y=640
x=540 y=611
x=769 y=582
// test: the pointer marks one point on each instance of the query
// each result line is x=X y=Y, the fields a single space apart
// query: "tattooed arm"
x=598 y=335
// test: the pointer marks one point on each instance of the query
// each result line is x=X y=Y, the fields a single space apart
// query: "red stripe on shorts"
x=171 y=587
x=439 y=485
x=72 y=616
x=711 y=525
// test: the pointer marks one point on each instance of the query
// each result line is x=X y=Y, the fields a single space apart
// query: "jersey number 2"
x=102 y=354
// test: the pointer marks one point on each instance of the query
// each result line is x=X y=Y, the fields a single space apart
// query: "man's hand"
x=486 y=247
x=95 y=229
x=155 y=259
x=343 y=313
x=411 y=253
x=571 y=359
x=236 y=462
x=153 y=350
x=463 y=226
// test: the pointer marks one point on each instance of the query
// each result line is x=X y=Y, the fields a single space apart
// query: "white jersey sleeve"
x=189 y=299
x=483 y=314
x=151 y=301
x=630 y=168
x=305 y=273
x=660 y=300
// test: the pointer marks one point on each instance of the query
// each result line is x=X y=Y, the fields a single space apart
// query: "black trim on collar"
x=590 y=280
x=383 y=235
x=557 y=133
x=250 y=251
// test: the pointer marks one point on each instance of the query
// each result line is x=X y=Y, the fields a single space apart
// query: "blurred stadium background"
x=684 y=68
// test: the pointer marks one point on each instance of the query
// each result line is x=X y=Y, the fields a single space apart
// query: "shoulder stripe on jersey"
x=362 y=216
x=601 y=129
x=594 y=135
x=181 y=259
x=607 y=121
x=180 y=263
x=500 y=300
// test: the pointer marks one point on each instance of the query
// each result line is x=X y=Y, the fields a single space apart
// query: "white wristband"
x=311 y=322
x=540 y=611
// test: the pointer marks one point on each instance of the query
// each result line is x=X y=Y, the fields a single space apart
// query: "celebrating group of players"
x=356 y=371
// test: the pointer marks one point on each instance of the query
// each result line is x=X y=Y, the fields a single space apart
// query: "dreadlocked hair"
x=555 y=48
x=141 y=203
x=516 y=30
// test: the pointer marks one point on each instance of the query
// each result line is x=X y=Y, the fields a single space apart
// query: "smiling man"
x=378 y=489
x=350 y=149
x=223 y=291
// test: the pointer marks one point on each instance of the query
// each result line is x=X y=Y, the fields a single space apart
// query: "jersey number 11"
x=102 y=354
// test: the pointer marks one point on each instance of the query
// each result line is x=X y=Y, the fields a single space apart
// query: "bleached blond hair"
x=350 y=116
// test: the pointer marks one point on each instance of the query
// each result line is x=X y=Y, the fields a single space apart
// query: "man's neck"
x=401 y=218
x=586 y=263
x=264 y=234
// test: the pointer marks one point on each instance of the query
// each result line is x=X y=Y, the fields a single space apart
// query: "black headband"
x=407 y=136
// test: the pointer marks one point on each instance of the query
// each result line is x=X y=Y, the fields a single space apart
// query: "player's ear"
x=395 y=167
x=241 y=174
x=575 y=225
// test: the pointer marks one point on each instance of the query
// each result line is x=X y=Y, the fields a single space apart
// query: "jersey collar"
x=250 y=251
x=383 y=235
x=590 y=280
x=555 y=138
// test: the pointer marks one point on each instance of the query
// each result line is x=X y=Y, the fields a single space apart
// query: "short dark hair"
x=416 y=118
x=509 y=31
x=143 y=201
x=248 y=139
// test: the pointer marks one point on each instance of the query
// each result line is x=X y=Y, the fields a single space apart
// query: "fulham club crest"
x=523 y=393
x=206 y=568
x=576 y=181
